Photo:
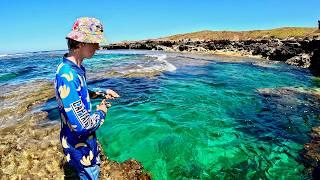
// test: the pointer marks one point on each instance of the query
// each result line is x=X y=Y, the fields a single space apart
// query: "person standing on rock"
x=78 y=121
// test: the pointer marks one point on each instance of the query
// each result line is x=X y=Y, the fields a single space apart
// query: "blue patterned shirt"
x=78 y=122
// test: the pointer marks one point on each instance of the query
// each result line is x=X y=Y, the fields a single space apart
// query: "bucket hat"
x=87 y=30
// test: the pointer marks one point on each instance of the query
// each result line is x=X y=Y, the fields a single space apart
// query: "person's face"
x=88 y=49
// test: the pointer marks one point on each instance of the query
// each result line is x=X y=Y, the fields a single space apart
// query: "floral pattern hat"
x=87 y=30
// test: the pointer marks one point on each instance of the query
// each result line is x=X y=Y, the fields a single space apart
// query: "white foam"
x=266 y=64
x=4 y=55
x=14 y=55
x=156 y=63
x=164 y=64
x=160 y=57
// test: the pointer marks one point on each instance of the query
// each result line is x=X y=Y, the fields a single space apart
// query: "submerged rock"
x=310 y=155
x=17 y=100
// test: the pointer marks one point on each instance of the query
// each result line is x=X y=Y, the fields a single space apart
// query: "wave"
x=30 y=54
x=154 y=66
x=164 y=65
x=141 y=66
x=266 y=64
x=16 y=55
x=4 y=55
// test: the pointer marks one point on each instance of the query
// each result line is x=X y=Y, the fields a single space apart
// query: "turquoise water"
x=209 y=122
x=199 y=117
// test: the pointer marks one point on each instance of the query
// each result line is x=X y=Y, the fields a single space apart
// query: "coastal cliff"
x=294 y=46
x=299 y=52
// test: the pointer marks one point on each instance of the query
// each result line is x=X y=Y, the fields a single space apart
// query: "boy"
x=78 y=121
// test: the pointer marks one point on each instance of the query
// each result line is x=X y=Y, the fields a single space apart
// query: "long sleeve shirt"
x=78 y=121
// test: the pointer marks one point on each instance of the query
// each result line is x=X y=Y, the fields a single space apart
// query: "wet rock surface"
x=299 y=52
x=29 y=140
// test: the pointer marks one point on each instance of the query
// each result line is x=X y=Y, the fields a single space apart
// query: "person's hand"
x=110 y=94
x=102 y=106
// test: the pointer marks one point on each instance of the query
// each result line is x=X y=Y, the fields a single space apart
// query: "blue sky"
x=42 y=25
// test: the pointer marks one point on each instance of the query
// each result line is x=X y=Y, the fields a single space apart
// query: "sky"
x=42 y=25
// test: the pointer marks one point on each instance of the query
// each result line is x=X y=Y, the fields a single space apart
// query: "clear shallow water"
x=201 y=117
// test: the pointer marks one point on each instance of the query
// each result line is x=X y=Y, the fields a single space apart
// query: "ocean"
x=187 y=116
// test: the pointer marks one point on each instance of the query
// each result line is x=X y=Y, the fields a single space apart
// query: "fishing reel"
x=104 y=101
x=108 y=104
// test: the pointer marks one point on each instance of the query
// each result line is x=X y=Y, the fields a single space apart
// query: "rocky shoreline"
x=30 y=147
x=301 y=52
